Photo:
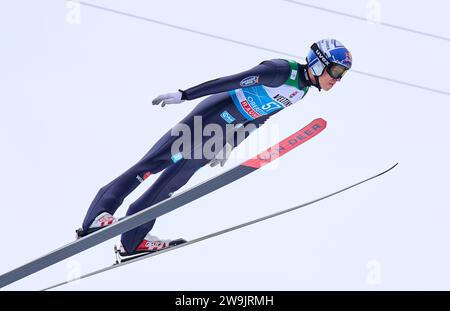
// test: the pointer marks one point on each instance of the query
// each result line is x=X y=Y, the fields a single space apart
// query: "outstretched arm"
x=270 y=73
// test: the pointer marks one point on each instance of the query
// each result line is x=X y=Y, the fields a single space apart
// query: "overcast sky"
x=75 y=96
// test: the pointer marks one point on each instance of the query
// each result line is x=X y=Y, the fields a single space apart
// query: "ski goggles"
x=335 y=70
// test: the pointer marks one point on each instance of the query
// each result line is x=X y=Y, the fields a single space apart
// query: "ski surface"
x=166 y=206
x=118 y=265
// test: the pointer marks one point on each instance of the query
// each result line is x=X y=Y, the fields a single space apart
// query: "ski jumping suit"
x=248 y=97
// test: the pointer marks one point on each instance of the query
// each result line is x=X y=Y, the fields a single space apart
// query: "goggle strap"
x=323 y=59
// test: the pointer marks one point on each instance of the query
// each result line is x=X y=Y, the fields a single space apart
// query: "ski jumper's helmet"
x=330 y=55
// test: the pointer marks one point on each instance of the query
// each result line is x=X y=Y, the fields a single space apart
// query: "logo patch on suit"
x=177 y=157
x=293 y=74
x=249 y=81
x=227 y=117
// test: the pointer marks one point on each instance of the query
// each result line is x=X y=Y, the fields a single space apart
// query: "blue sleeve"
x=272 y=73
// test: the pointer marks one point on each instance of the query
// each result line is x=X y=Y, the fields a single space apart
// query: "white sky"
x=76 y=112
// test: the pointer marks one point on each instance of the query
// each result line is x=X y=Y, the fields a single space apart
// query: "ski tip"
x=387 y=170
x=320 y=121
x=392 y=167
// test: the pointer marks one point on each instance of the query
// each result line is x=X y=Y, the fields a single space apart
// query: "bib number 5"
x=271 y=106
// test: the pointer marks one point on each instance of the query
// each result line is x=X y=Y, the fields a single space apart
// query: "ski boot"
x=103 y=220
x=150 y=244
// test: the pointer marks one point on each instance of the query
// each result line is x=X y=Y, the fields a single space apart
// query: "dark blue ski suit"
x=248 y=97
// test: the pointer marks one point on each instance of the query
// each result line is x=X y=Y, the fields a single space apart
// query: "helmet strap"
x=317 y=84
x=316 y=78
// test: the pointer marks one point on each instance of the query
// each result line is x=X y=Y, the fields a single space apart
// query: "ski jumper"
x=251 y=96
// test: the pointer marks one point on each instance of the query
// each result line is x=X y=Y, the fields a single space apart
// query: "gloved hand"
x=222 y=156
x=168 y=99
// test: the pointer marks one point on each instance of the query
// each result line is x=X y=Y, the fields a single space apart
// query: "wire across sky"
x=142 y=18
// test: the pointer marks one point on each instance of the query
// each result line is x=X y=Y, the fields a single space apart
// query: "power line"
x=257 y=47
x=365 y=20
